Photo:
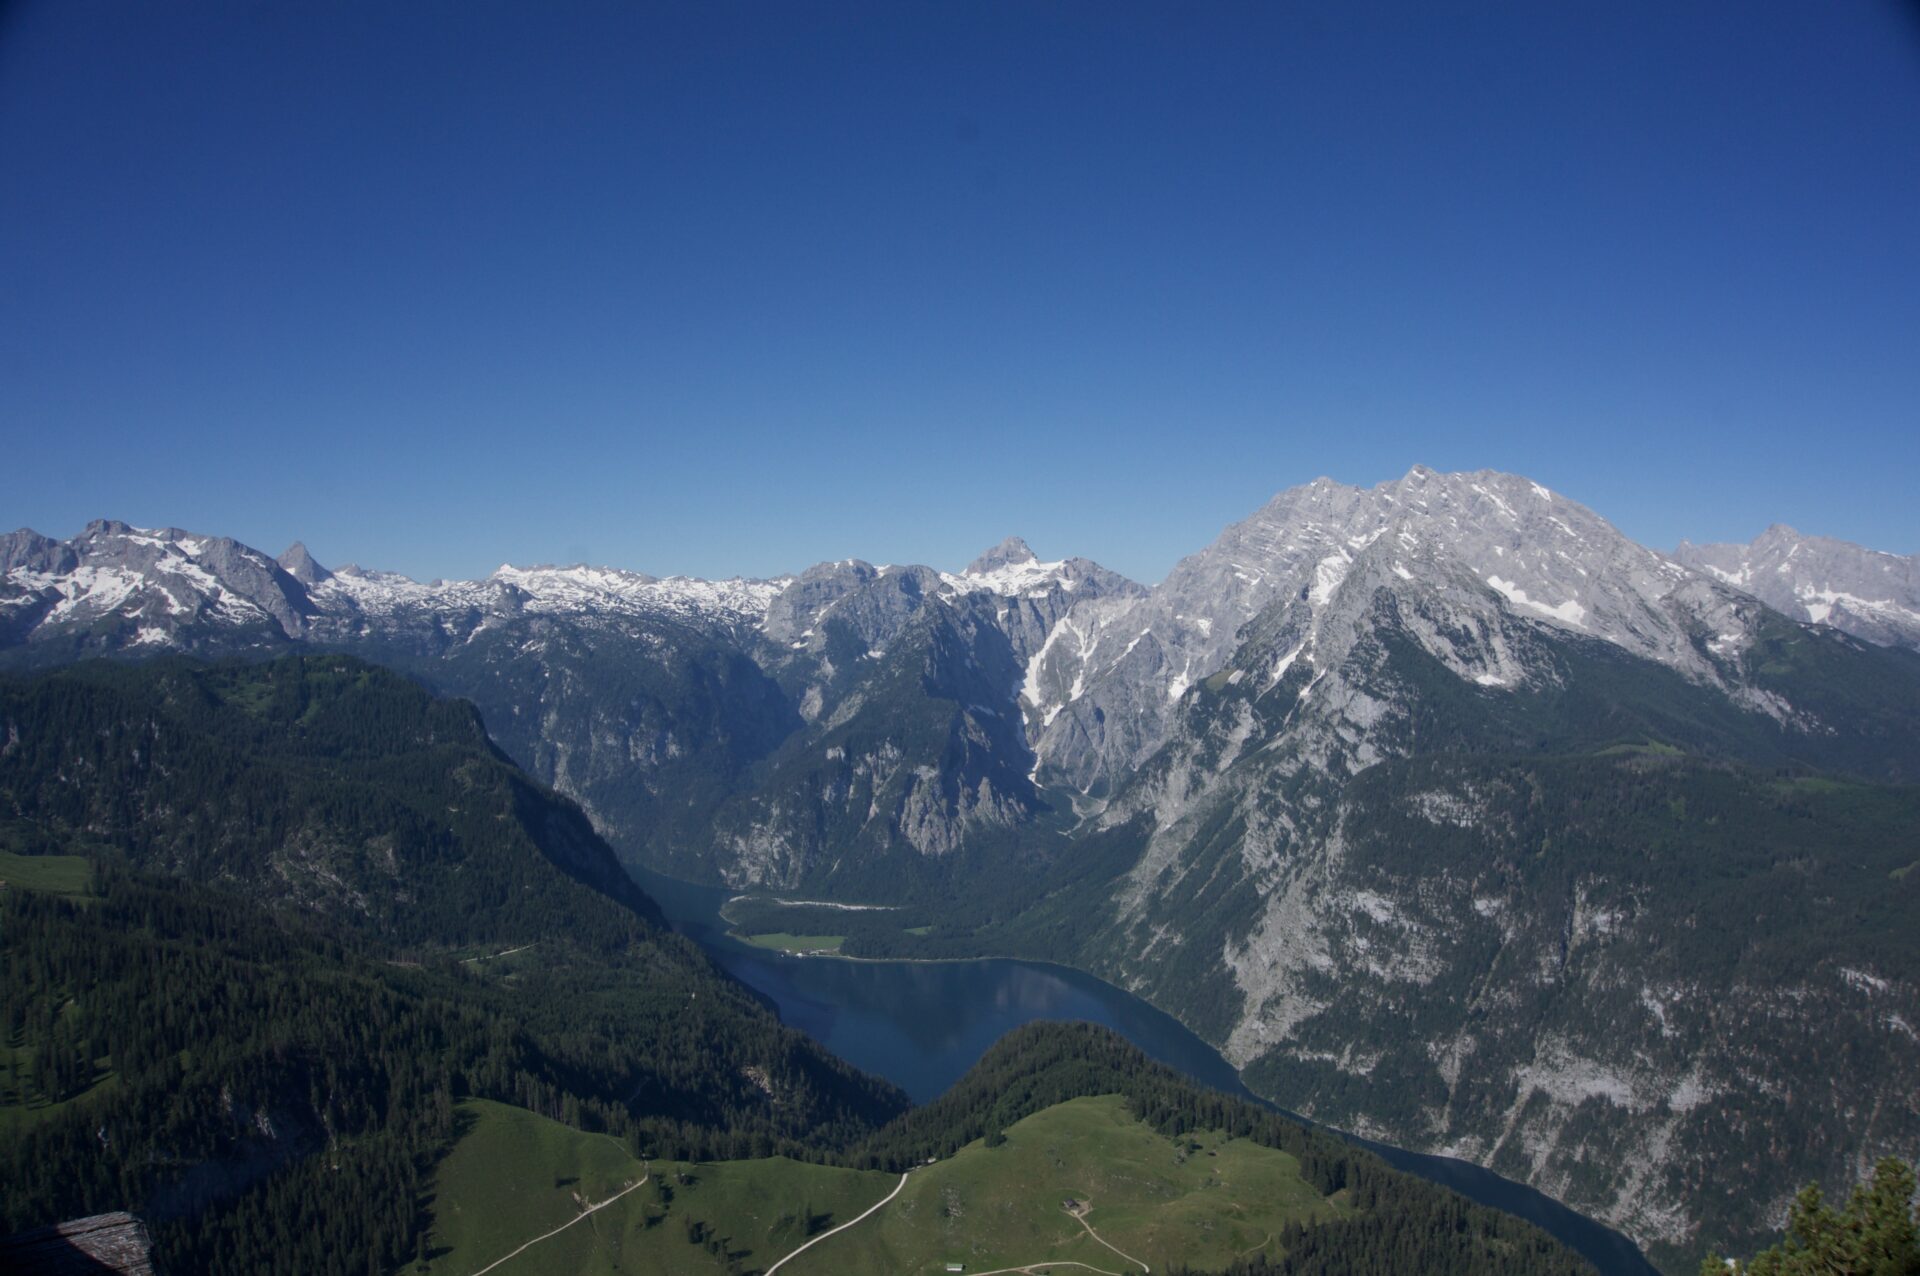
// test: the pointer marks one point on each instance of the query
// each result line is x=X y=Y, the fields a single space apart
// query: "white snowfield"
x=152 y=572
x=562 y=591
x=1030 y=579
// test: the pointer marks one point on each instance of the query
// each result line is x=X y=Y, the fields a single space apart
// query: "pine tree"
x=1876 y=1235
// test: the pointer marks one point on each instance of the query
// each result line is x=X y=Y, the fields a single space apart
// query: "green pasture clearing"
x=57 y=874
x=1201 y=1199
x=514 y=1175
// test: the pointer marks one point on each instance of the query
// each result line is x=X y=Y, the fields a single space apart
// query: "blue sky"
x=722 y=288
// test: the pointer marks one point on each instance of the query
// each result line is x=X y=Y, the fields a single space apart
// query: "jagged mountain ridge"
x=1865 y=592
x=1304 y=540
x=647 y=700
x=115 y=587
x=1500 y=546
x=1483 y=616
x=1102 y=662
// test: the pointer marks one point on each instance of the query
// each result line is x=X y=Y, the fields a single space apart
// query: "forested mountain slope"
x=325 y=909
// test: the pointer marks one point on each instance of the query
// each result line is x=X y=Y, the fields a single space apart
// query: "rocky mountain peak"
x=300 y=565
x=31 y=551
x=1101 y=692
x=1865 y=592
x=1008 y=553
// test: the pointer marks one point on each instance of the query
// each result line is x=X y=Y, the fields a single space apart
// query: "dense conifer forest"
x=296 y=951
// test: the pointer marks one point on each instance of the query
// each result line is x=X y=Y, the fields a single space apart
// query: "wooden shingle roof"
x=104 y=1243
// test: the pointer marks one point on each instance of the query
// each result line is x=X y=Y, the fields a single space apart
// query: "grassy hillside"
x=1084 y=1184
x=1393 y=1222
x=514 y=1176
x=1162 y=1170
x=1202 y=1198
x=55 y=874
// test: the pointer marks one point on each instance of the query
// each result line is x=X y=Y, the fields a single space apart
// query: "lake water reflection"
x=923 y=1024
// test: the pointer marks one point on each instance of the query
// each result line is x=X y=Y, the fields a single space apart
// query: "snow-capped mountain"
x=628 y=691
x=580 y=592
x=115 y=587
x=147 y=587
x=1108 y=678
x=1867 y=593
x=1379 y=760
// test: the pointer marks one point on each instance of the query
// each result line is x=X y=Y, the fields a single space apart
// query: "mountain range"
x=1450 y=813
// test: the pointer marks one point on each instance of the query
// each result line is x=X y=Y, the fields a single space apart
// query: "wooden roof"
x=84 y=1247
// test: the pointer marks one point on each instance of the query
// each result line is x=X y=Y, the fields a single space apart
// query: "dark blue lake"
x=923 y=1024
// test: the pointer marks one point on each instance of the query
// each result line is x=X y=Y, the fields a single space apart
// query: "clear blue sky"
x=718 y=288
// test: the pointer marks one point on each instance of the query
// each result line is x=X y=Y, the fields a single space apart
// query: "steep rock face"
x=1023 y=595
x=1867 y=593
x=300 y=565
x=1507 y=961
x=1476 y=1006
x=909 y=758
x=634 y=695
x=649 y=725
x=909 y=681
x=28 y=551
x=1443 y=956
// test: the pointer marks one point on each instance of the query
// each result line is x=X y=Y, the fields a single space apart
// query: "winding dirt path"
x=1031 y=1268
x=588 y=1212
x=1025 y=1270
x=1257 y=1248
x=1081 y=1218
x=505 y=952
x=843 y=1227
